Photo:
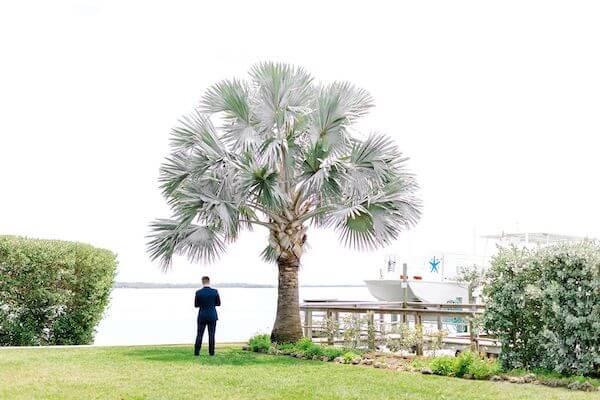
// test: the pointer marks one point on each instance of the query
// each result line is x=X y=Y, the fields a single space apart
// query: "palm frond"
x=233 y=99
x=355 y=226
x=261 y=183
x=372 y=163
x=377 y=219
x=283 y=94
x=173 y=172
x=195 y=129
x=321 y=172
x=337 y=106
x=171 y=237
x=230 y=97
x=269 y=254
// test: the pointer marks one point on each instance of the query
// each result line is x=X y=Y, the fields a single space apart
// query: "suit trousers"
x=212 y=325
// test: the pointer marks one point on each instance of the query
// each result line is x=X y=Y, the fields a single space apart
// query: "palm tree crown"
x=279 y=151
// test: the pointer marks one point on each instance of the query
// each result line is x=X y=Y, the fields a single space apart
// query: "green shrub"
x=509 y=313
x=544 y=306
x=287 y=348
x=465 y=363
x=303 y=344
x=462 y=362
x=52 y=292
x=332 y=352
x=483 y=368
x=314 y=350
x=443 y=365
x=260 y=343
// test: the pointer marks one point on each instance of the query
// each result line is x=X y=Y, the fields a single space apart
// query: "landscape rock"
x=583 y=386
x=516 y=379
x=468 y=376
x=529 y=378
x=426 y=371
x=379 y=364
x=339 y=360
x=356 y=361
x=553 y=382
x=367 y=361
x=315 y=358
x=324 y=358
x=496 y=378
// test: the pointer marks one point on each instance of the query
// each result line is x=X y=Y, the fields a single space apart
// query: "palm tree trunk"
x=287 y=327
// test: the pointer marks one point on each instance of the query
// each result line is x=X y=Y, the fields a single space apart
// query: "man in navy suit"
x=207 y=299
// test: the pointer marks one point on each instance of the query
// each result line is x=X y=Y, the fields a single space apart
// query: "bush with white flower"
x=544 y=306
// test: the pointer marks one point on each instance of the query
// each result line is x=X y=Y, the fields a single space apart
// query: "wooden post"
x=330 y=325
x=371 y=330
x=404 y=289
x=439 y=326
x=471 y=332
x=419 y=331
x=308 y=324
x=382 y=327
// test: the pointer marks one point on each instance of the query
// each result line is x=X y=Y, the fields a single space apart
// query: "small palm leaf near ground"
x=278 y=151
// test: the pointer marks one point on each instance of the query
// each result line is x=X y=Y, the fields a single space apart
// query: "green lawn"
x=171 y=372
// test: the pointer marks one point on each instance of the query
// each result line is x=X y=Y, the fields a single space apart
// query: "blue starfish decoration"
x=434 y=264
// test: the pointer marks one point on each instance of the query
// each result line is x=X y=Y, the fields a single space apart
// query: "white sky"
x=496 y=103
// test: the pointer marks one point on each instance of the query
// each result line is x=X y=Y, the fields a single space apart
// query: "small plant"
x=314 y=350
x=443 y=365
x=352 y=329
x=483 y=368
x=463 y=362
x=260 y=343
x=331 y=327
x=332 y=352
x=349 y=356
x=304 y=344
x=287 y=348
x=403 y=337
x=434 y=340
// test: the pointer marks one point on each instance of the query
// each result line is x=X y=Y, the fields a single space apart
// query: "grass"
x=171 y=372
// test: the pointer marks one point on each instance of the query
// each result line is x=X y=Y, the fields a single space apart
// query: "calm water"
x=161 y=316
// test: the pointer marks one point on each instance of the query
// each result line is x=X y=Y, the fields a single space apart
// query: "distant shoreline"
x=154 y=285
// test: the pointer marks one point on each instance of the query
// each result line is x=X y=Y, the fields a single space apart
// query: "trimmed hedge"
x=52 y=292
x=544 y=306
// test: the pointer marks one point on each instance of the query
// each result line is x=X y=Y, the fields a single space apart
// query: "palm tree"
x=279 y=152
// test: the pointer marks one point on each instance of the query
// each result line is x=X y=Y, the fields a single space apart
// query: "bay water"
x=168 y=316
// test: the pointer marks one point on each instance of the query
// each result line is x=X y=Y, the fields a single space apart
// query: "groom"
x=206 y=301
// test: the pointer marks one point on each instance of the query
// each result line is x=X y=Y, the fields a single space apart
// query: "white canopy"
x=538 y=238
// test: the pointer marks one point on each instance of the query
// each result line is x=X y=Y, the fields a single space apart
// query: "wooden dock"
x=316 y=313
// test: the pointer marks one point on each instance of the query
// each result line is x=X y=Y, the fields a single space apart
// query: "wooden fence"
x=316 y=312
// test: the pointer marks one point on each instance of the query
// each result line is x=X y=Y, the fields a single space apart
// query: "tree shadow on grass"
x=224 y=356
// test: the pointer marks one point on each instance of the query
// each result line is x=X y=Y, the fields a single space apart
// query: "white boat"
x=418 y=291
x=439 y=284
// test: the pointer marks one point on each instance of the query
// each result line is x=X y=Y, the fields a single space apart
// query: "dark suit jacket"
x=207 y=299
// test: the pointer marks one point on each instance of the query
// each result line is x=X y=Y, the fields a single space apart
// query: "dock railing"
x=321 y=322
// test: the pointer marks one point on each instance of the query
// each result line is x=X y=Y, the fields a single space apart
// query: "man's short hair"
x=205 y=280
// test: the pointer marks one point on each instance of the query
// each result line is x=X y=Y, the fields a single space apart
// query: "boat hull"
x=418 y=291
